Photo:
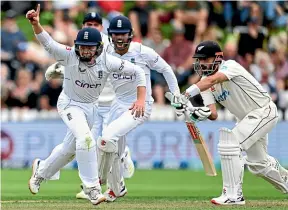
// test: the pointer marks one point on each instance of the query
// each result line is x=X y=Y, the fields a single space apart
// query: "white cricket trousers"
x=101 y=120
x=252 y=131
x=79 y=141
x=121 y=122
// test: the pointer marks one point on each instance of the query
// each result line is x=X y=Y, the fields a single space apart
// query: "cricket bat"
x=199 y=143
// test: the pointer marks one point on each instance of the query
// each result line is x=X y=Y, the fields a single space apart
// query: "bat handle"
x=188 y=118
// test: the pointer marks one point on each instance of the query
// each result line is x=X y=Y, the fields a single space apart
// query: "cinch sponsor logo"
x=223 y=96
x=121 y=76
x=83 y=84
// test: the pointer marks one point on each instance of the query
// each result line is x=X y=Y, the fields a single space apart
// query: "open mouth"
x=120 y=44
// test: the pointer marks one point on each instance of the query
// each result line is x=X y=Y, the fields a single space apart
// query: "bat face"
x=200 y=144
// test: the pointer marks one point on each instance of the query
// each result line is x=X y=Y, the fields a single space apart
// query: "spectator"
x=194 y=15
x=251 y=37
x=10 y=37
x=274 y=13
x=216 y=14
x=156 y=42
x=280 y=62
x=230 y=51
x=282 y=87
x=139 y=17
x=21 y=94
x=24 y=58
x=179 y=60
x=49 y=94
x=6 y=84
x=263 y=71
x=109 y=6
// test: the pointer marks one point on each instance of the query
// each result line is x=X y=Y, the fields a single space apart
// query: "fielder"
x=121 y=122
x=86 y=71
x=94 y=20
x=229 y=84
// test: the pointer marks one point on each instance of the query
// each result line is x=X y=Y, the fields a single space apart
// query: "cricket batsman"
x=87 y=68
x=229 y=84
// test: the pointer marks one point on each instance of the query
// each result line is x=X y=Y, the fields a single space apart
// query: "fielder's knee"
x=87 y=142
x=107 y=145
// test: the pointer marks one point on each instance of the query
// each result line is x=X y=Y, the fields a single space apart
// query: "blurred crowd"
x=252 y=33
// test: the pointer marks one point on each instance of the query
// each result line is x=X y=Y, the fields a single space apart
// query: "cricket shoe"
x=225 y=200
x=127 y=163
x=35 y=180
x=94 y=195
x=81 y=194
x=110 y=195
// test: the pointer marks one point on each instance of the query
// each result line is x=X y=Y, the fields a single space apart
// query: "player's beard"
x=88 y=57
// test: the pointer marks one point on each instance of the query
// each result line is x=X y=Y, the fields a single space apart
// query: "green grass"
x=148 y=189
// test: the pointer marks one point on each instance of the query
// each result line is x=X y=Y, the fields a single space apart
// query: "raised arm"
x=155 y=62
x=58 y=51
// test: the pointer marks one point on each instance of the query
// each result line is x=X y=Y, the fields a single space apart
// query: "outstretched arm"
x=58 y=51
x=34 y=19
x=155 y=62
x=205 y=84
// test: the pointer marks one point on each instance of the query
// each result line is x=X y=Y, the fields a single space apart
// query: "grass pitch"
x=148 y=189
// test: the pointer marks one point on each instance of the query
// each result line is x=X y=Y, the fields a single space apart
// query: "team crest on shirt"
x=133 y=60
x=212 y=89
x=100 y=74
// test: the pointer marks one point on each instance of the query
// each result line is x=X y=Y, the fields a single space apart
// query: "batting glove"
x=200 y=113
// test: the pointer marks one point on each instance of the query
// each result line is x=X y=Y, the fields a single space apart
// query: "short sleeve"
x=231 y=69
x=208 y=97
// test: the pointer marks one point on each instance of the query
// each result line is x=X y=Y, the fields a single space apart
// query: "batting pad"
x=272 y=172
x=114 y=176
x=231 y=163
x=107 y=150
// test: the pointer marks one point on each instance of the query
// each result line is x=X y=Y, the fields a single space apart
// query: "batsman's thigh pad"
x=231 y=162
x=255 y=125
x=107 y=151
x=271 y=171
